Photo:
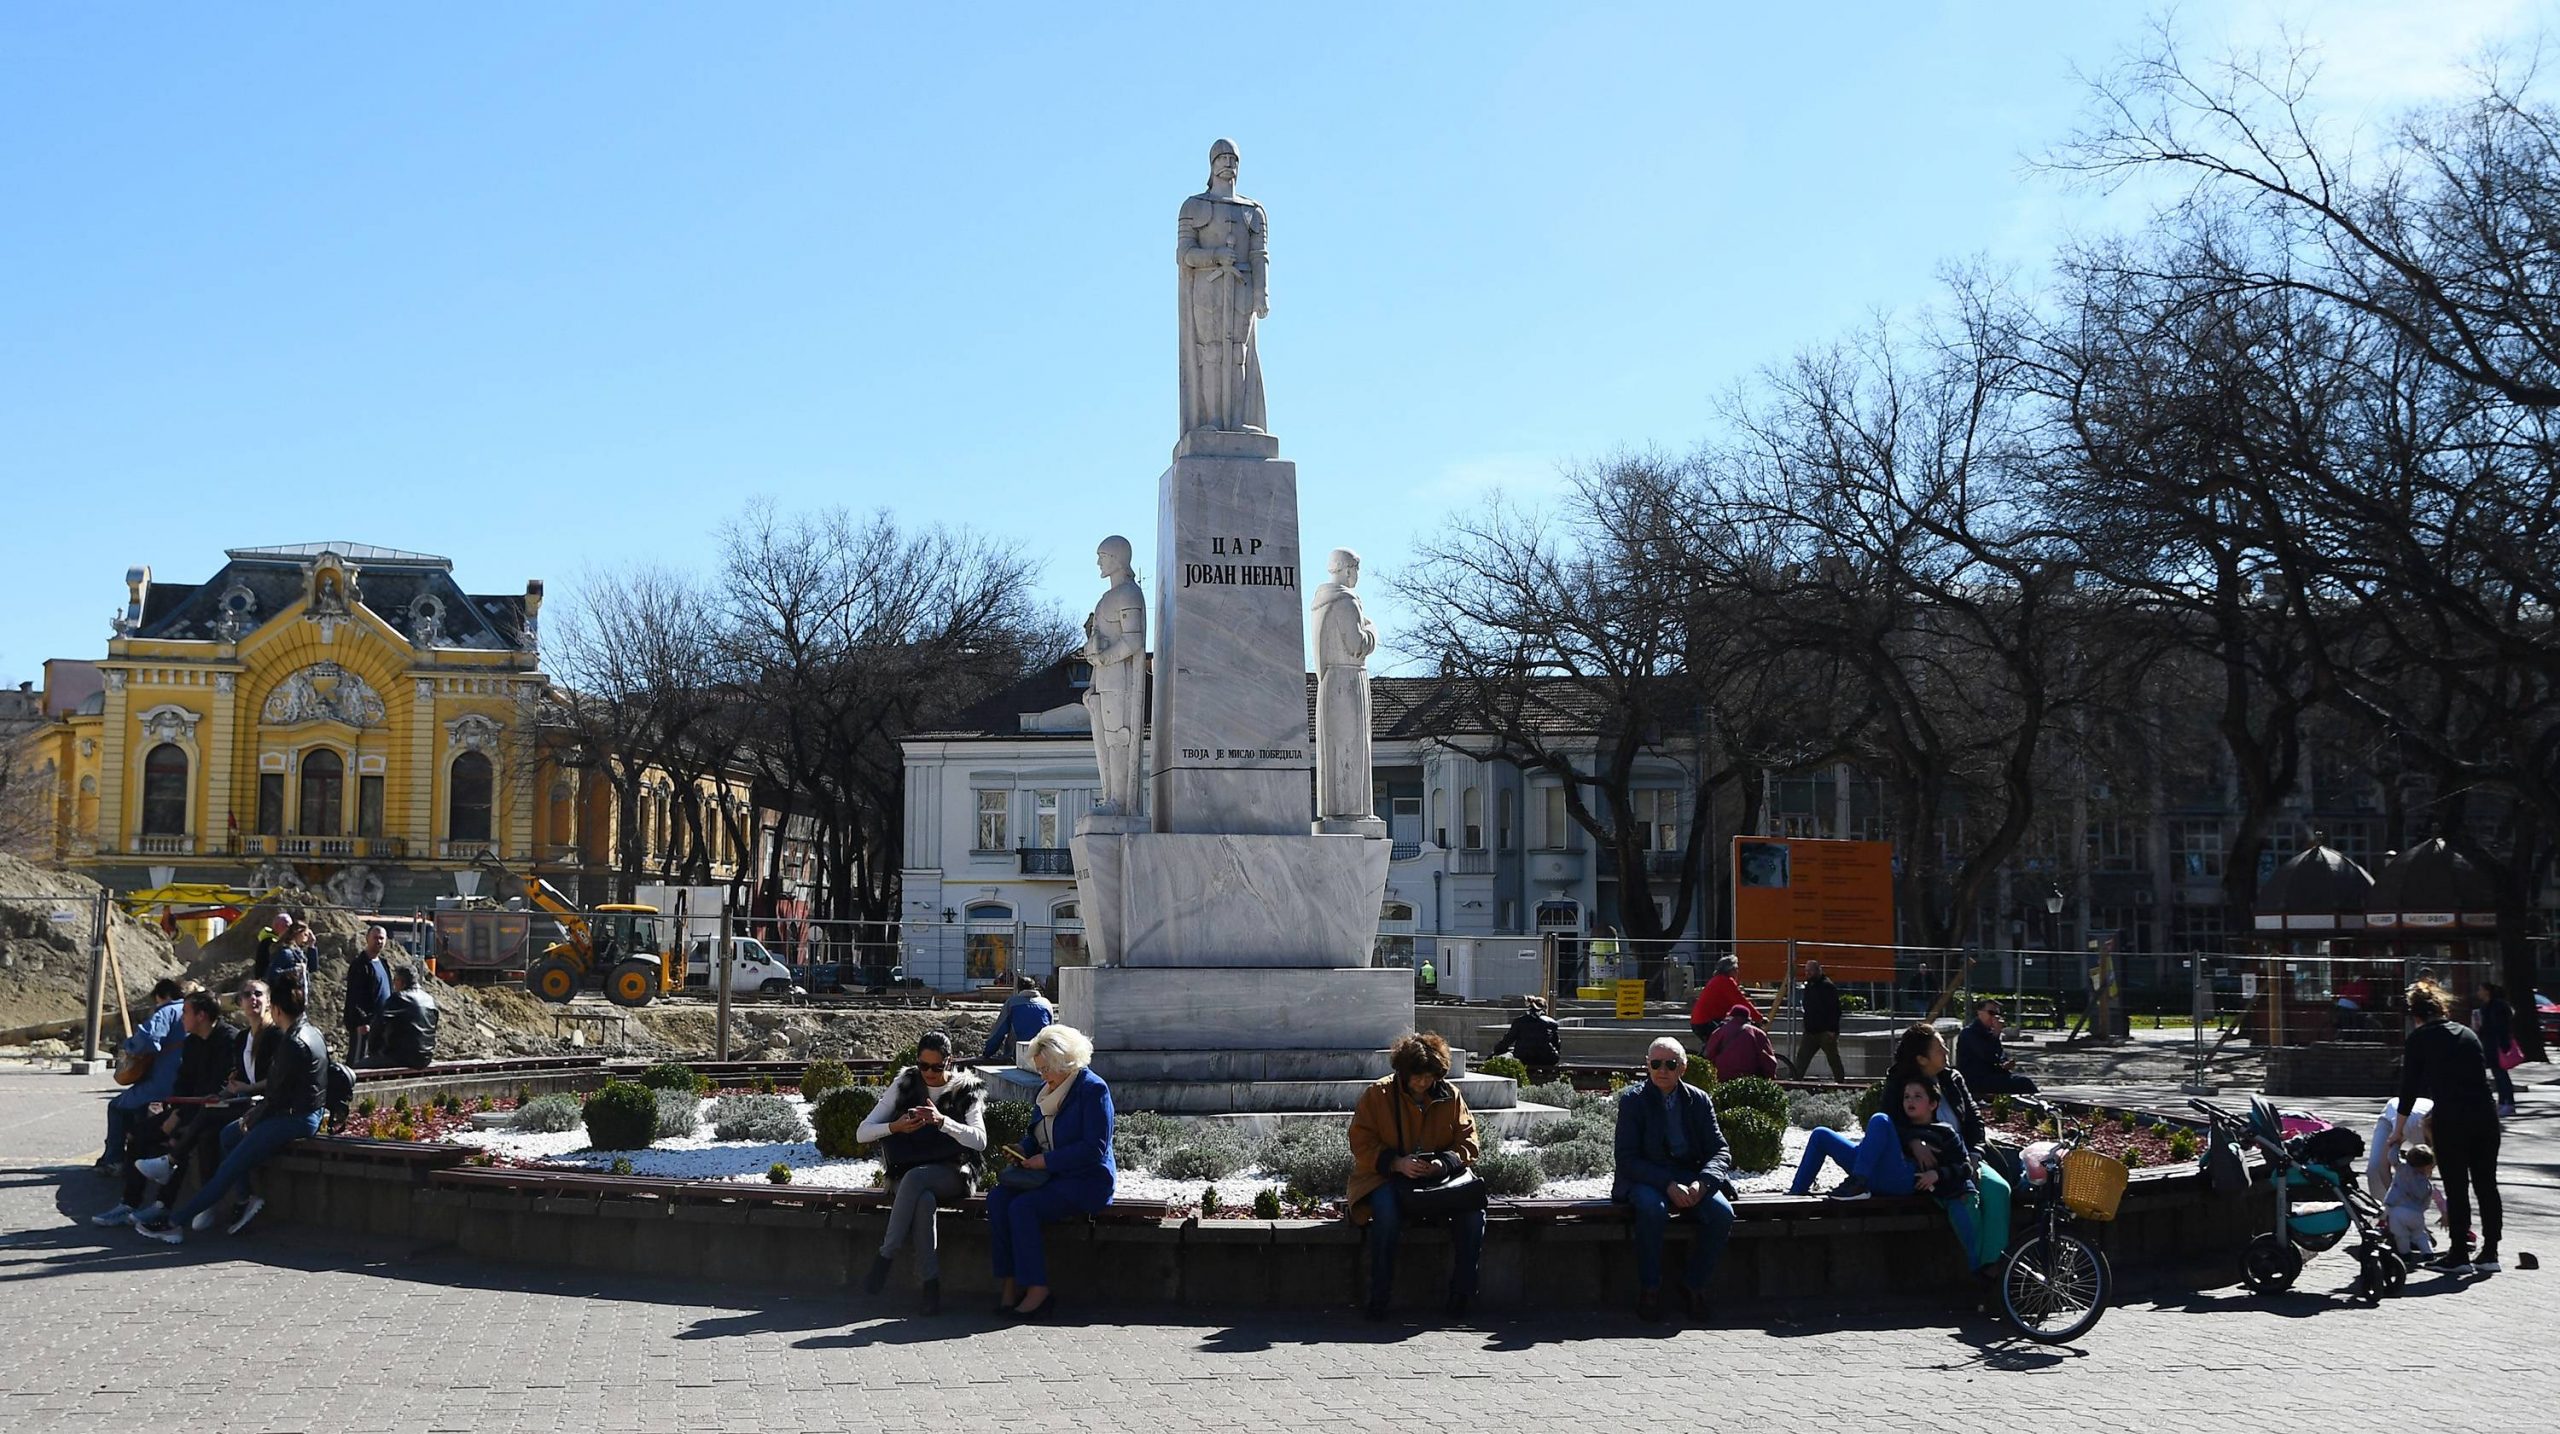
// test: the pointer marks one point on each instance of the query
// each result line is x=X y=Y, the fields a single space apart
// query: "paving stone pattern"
x=277 y=1330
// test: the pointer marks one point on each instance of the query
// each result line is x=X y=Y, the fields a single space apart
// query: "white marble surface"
x=1176 y=1009
x=1229 y=749
x=1221 y=260
x=1203 y=899
x=1344 y=640
x=1115 y=643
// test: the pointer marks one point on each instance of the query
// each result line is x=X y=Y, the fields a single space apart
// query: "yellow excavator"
x=622 y=940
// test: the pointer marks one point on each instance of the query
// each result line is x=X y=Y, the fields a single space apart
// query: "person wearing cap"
x=1717 y=1001
x=1025 y=1014
x=1738 y=1048
x=1983 y=1060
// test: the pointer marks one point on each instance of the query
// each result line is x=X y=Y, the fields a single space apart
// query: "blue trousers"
x=1386 y=1228
x=244 y=1152
x=1014 y=1218
x=1654 y=1216
x=1876 y=1158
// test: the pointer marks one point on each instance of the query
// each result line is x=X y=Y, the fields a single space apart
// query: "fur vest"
x=962 y=1101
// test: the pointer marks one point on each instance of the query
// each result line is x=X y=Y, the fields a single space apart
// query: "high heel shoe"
x=1048 y=1307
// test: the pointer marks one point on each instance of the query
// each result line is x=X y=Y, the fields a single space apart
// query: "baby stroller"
x=2318 y=1203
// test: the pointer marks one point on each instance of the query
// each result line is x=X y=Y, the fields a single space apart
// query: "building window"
x=324 y=791
x=2195 y=850
x=1555 y=824
x=1657 y=817
x=369 y=806
x=990 y=948
x=271 y=804
x=1507 y=821
x=468 y=798
x=1439 y=817
x=1066 y=935
x=164 y=791
x=1471 y=804
x=2119 y=846
x=995 y=819
x=1044 y=819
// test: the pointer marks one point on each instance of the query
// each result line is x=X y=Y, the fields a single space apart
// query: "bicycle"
x=2054 y=1285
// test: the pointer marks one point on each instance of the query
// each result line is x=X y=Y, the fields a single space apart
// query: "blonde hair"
x=1060 y=1046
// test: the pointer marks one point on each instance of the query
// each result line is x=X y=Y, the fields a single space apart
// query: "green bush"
x=621 y=1166
x=1511 y=1173
x=1211 y=1202
x=1008 y=1121
x=679 y=1112
x=764 y=1086
x=524 y=1093
x=1504 y=1066
x=2182 y=1144
x=838 y=1116
x=1266 y=1204
x=905 y=1056
x=1852 y=1004
x=673 y=1075
x=621 y=1116
x=400 y=1103
x=823 y=1076
x=549 y=1114
x=1702 y=1073
x=1556 y=1132
x=767 y=1118
x=1753 y=1134
x=1140 y=1137
x=1868 y=1103
x=1752 y=1093
x=1817 y=1109
x=1557 y=1093
x=1206 y=1150
x=1576 y=1158
x=1311 y=1168
x=778 y=1173
x=365 y=1106
x=2132 y=1158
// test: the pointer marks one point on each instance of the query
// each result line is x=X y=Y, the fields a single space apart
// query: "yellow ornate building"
x=330 y=715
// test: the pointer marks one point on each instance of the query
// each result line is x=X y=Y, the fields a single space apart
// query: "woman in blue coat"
x=1068 y=1157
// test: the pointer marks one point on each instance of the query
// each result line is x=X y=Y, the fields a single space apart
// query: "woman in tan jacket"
x=1413 y=1128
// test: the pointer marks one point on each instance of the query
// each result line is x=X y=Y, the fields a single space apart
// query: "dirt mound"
x=44 y=962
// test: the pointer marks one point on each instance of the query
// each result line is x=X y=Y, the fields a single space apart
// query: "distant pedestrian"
x=1025 y=1014
x=1739 y=1049
x=2443 y=1062
x=1536 y=1039
x=1819 y=1001
x=368 y=994
x=1982 y=1057
x=2495 y=1020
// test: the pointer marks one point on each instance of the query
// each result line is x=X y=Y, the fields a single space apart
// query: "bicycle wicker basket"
x=2092 y=1184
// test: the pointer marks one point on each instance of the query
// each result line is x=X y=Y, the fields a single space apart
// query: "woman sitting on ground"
x=1923 y=1052
x=931 y=1127
x=1410 y=1129
x=1065 y=1168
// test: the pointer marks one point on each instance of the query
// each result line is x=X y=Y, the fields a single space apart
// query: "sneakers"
x=112 y=1216
x=2486 y=1262
x=2452 y=1262
x=151 y=1214
x=157 y=1169
x=165 y=1234
x=249 y=1209
x=2506 y=1110
x=1853 y=1188
x=205 y=1221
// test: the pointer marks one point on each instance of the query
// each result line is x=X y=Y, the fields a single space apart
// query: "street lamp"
x=2053 y=902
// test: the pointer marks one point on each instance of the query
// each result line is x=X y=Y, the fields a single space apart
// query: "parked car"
x=2549 y=1011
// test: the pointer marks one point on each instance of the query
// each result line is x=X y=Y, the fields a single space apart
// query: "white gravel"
x=702 y=1158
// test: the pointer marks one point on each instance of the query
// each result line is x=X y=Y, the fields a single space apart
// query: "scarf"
x=1054 y=1098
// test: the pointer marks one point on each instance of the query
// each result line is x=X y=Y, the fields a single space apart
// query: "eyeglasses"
x=1667 y=1065
x=932 y=1067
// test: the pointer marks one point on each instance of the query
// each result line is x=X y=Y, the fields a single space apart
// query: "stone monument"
x=1346 y=799
x=1230 y=931
x=1115 y=644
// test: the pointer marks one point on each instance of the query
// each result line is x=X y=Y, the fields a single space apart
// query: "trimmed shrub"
x=1266 y=1204
x=1576 y=1158
x=672 y=1075
x=1816 y=1109
x=1504 y=1066
x=1211 y=1202
x=679 y=1112
x=1010 y=1120
x=1140 y=1137
x=1206 y=1151
x=767 y=1118
x=1702 y=1073
x=1558 y=1093
x=1752 y=1093
x=1869 y=1101
x=1313 y=1169
x=839 y=1115
x=549 y=1114
x=1754 y=1135
x=764 y=1086
x=778 y=1173
x=622 y=1116
x=1509 y=1173
x=2182 y=1144
x=821 y=1077
x=621 y=1166
x=2132 y=1158
x=905 y=1056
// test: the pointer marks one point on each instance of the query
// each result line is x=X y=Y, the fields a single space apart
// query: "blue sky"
x=552 y=288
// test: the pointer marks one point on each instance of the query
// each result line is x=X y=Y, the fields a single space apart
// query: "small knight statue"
x=1344 y=639
x=1115 y=643
x=1225 y=289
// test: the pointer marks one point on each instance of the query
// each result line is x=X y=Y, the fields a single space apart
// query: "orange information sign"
x=1837 y=893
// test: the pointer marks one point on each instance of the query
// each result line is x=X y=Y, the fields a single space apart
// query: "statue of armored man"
x=1115 y=643
x=1345 y=637
x=1221 y=250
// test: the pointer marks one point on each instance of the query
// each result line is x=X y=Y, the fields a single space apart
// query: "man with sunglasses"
x=1672 y=1162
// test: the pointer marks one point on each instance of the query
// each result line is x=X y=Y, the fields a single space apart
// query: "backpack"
x=341 y=1093
x=2226 y=1171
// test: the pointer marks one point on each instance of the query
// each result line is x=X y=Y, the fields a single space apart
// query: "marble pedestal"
x=1202 y=899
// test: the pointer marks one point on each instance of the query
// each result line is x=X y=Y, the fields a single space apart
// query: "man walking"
x=1819 y=1000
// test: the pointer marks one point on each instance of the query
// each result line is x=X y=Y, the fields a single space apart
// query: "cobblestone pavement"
x=277 y=1330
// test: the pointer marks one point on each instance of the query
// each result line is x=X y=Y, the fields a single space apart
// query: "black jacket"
x=1955 y=1093
x=409 y=1030
x=2497 y=1025
x=962 y=1100
x=1955 y=1162
x=206 y=1061
x=1979 y=1053
x=1821 y=1006
x=297 y=1080
x=1643 y=1144
x=2444 y=1063
x=1536 y=1038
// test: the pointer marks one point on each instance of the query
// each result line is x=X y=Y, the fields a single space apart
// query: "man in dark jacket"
x=1672 y=1161
x=1983 y=1060
x=206 y=1057
x=409 y=1023
x=1536 y=1039
x=1819 y=1000
x=368 y=992
x=292 y=1106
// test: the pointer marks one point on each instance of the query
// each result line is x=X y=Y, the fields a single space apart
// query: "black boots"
x=878 y=1278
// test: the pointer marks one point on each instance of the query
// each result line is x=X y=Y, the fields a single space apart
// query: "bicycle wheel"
x=2054 y=1287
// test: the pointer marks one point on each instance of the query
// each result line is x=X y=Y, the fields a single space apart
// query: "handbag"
x=2510 y=1055
x=1021 y=1177
x=1458 y=1194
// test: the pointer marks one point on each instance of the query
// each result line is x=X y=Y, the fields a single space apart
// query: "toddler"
x=2413 y=1190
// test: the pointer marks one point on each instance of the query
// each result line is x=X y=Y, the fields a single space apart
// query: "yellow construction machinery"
x=625 y=942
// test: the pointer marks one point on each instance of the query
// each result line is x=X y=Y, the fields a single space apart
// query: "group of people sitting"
x=389 y=1019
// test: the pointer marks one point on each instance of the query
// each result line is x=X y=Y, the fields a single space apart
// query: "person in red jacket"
x=1721 y=995
x=1739 y=1048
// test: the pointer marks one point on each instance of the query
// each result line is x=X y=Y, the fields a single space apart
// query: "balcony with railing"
x=162 y=844
x=322 y=848
x=1046 y=860
x=466 y=850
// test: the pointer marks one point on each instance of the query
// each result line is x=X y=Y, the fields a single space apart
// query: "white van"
x=754 y=970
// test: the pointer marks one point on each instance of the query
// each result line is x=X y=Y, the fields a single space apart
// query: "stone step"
x=1191 y=1097
x=1502 y=1123
x=1241 y=1065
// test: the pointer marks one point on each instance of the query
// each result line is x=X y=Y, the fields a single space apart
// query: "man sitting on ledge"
x=408 y=1034
x=1672 y=1161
